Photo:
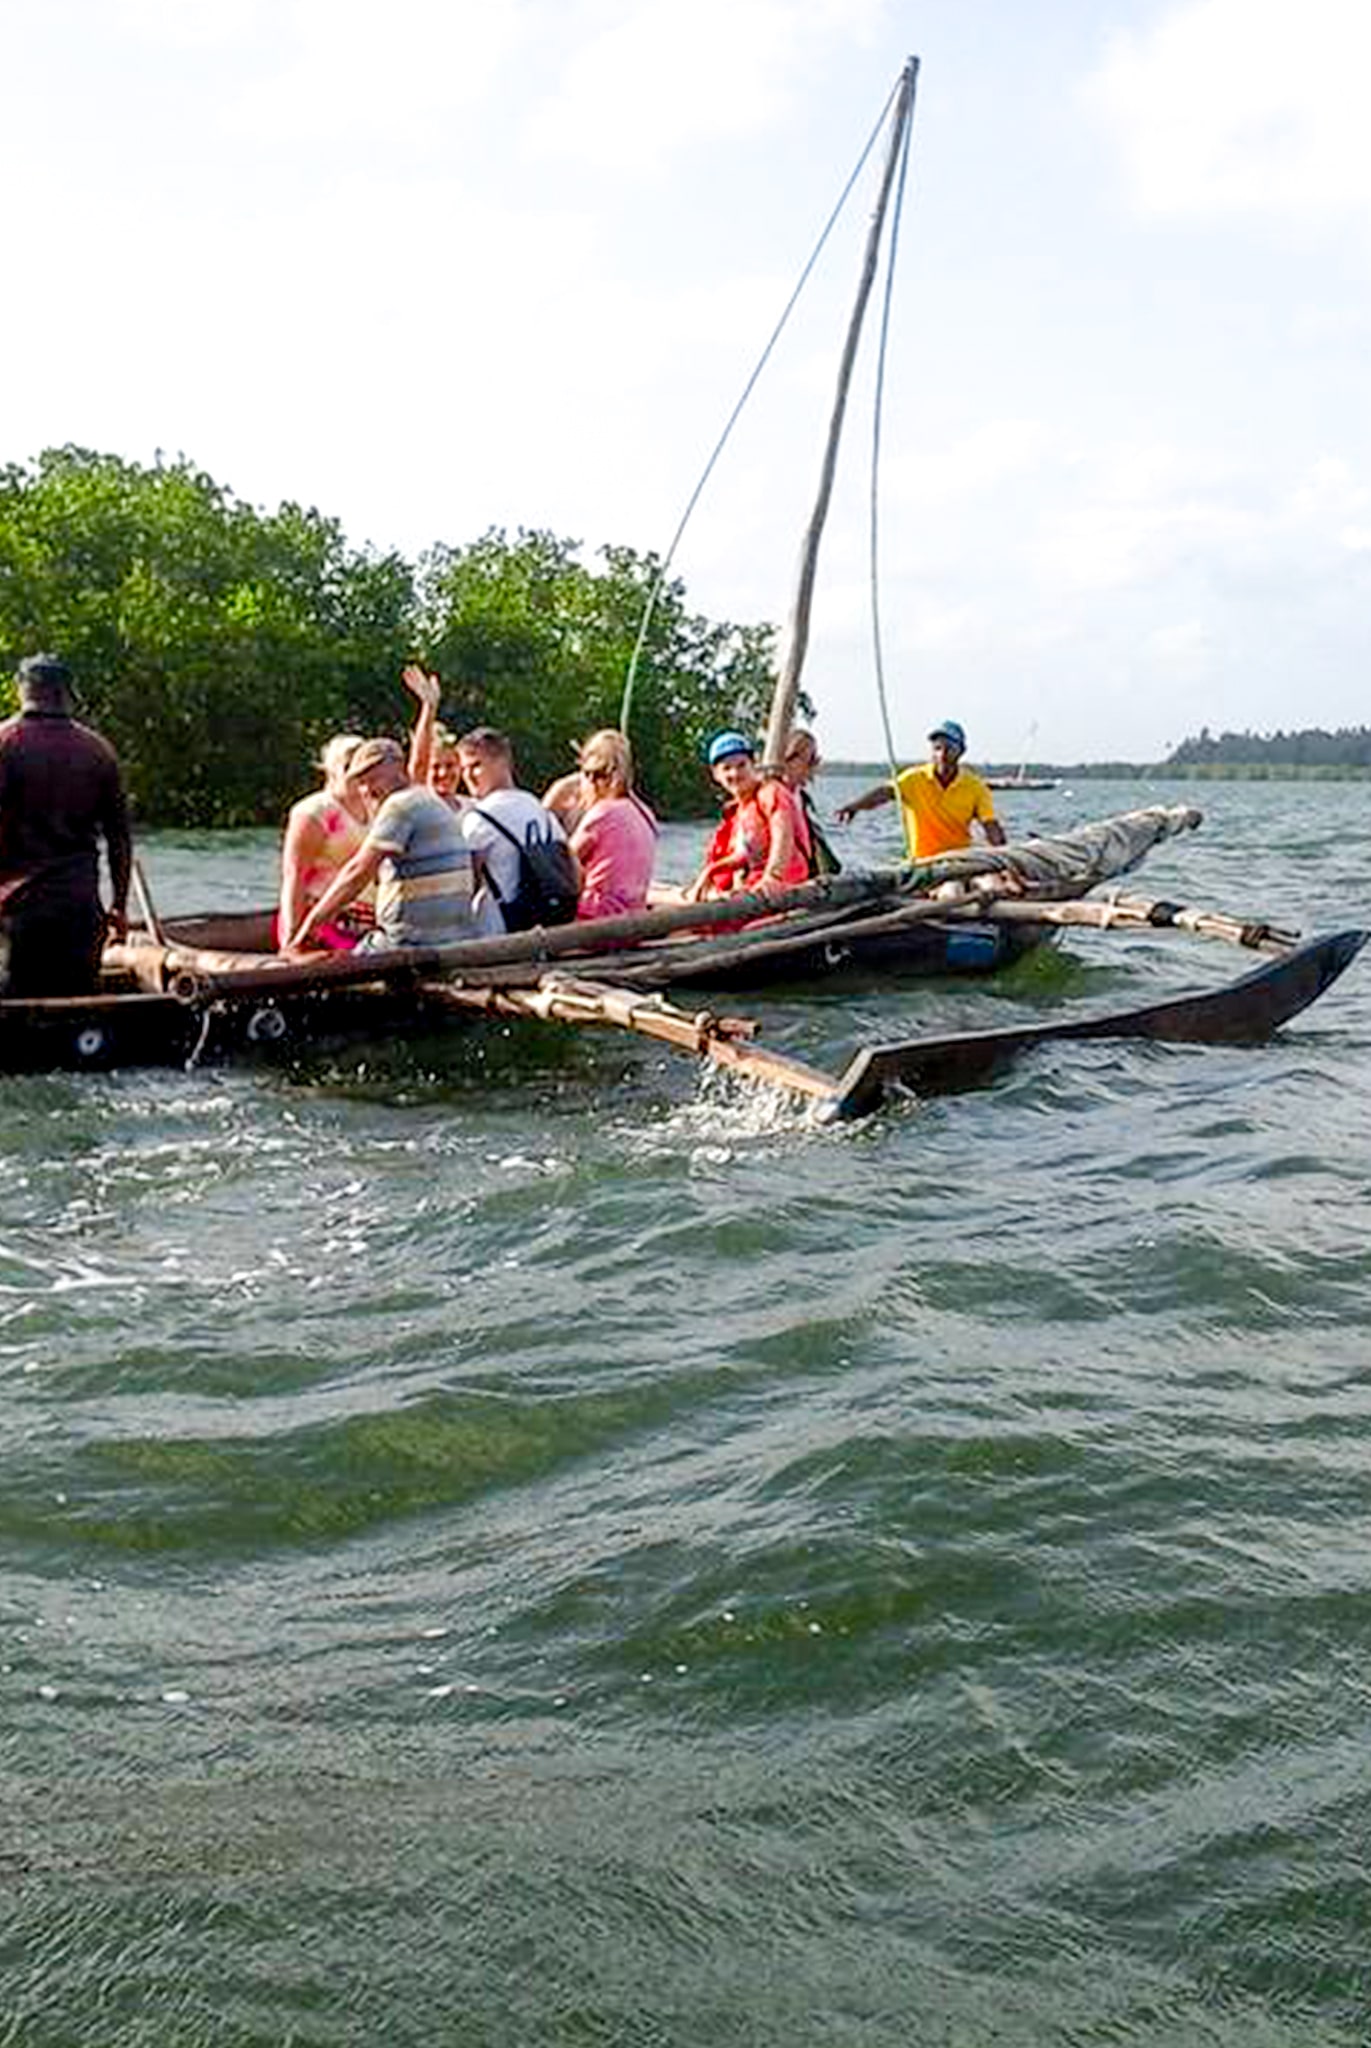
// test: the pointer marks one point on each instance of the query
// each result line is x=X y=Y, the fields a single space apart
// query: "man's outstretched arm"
x=870 y=800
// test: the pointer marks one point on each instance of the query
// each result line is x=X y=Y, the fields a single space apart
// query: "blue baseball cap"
x=950 y=731
x=724 y=744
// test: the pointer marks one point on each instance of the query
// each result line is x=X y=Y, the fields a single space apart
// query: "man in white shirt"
x=500 y=819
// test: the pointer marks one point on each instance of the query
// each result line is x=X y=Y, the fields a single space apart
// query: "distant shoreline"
x=1137 y=771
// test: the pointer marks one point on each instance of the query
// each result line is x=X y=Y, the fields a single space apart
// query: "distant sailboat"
x=1023 y=780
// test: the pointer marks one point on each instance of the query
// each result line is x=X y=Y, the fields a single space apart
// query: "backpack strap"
x=512 y=837
x=520 y=846
x=515 y=842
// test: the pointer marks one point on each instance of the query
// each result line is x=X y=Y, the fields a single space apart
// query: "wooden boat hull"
x=134 y=1029
x=94 y=1034
x=921 y=952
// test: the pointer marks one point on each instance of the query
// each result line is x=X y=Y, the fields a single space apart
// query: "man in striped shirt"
x=414 y=852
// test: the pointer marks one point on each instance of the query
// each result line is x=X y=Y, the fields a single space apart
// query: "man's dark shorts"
x=51 y=949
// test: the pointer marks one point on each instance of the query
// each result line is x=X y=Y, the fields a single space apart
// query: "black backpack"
x=548 y=886
x=822 y=859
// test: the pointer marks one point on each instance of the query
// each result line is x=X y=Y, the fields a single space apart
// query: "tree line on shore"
x=1310 y=755
x=1349 y=747
x=217 y=646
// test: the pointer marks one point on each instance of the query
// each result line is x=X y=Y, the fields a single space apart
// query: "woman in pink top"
x=616 y=838
x=323 y=831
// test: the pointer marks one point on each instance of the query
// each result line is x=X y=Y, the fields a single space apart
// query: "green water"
x=509 y=1542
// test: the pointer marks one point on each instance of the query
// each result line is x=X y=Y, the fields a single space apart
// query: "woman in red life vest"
x=761 y=841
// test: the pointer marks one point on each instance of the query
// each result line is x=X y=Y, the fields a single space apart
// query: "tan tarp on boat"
x=1067 y=865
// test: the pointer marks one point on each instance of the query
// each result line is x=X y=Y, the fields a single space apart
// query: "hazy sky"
x=437 y=265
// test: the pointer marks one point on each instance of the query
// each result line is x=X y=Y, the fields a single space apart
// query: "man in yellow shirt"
x=938 y=801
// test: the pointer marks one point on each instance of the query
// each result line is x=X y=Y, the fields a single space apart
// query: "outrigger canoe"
x=204 y=988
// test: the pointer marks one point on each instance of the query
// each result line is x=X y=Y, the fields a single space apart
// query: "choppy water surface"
x=512 y=1542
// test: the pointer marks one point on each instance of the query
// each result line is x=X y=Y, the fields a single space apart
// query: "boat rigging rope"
x=664 y=569
x=876 y=649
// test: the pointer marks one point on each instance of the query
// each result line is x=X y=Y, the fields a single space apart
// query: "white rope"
x=877 y=654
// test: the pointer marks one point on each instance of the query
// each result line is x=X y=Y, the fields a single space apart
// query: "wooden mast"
x=796 y=639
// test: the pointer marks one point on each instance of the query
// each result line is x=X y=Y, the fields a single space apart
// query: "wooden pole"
x=145 y=903
x=1142 y=913
x=219 y=973
x=796 y=641
x=722 y=1040
x=522 y=959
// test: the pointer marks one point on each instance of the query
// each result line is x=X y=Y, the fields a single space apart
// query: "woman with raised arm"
x=432 y=748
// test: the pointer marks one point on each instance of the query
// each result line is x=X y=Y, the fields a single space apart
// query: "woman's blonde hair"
x=335 y=754
x=607 y=749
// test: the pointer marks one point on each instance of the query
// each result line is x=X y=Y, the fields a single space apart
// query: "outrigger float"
x=206 y=988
